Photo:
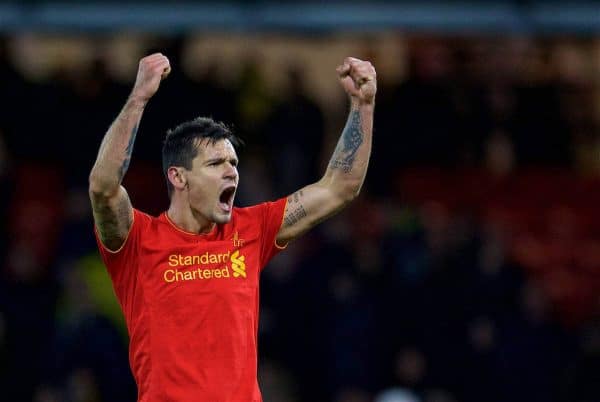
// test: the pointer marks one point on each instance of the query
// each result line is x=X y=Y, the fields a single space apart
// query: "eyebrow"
x=220 y=159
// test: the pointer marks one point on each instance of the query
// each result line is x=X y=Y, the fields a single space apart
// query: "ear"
x=177 y=178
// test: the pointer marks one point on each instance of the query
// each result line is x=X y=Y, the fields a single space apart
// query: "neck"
x=186 y=219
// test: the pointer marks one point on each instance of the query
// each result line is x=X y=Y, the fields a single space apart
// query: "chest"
x=176 y=272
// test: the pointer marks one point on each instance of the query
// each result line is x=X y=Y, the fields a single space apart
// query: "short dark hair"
x=181 y=143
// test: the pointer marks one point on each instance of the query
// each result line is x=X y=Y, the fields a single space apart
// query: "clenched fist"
x=359 y=79
x=151 y=71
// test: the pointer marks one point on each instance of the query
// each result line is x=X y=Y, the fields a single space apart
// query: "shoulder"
x=259 y=209
x=143 y=218
x=242 y=216
x=260 y=213
x=247 y=210
x=145 y=224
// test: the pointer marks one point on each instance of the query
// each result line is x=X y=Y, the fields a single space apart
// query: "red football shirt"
x=191 y=304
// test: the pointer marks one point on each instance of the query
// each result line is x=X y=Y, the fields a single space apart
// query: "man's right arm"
x=113 y=213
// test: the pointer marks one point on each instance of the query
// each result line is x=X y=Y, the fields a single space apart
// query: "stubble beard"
x=221 y=218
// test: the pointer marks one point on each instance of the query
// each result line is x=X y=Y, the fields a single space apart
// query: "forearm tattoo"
x=296 y=209
x=352 y=138
x=128 y=152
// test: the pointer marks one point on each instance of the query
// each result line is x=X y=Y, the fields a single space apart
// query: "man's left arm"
x=348 y=165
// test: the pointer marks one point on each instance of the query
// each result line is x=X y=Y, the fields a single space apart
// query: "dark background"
x=469 y=268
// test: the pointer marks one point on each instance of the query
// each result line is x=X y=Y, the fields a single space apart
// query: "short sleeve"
x=122 y=264
x=272 y=217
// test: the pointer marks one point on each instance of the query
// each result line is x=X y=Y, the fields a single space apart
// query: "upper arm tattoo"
x=128 y=152
x=113 y=221
x=295 y=210
x=350 y=141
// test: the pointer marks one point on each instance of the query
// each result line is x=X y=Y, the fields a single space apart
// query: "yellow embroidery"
x=238 y=265
x=237 y=241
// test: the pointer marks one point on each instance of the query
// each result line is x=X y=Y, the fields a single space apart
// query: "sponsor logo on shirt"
x=178 y=260
x=238 y=265
x=234 y=266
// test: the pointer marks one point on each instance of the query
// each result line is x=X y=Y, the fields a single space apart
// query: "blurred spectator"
x=88 y=361
x=580 y=382
x=89 y=102
x=295 y=132
x=396 y=395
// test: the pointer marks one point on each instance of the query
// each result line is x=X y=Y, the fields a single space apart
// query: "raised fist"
x=151 y=71
x=359 y=79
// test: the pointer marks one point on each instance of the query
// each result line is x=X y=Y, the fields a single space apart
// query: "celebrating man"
x=188 y=280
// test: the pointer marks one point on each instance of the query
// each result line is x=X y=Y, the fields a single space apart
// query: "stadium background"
x=469 y=268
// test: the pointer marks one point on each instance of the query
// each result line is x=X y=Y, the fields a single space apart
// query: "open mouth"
x=226 y=198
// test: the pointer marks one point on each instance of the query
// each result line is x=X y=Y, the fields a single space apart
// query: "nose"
x=230 y=171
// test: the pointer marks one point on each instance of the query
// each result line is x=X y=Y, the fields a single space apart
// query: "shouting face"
x=212 y=181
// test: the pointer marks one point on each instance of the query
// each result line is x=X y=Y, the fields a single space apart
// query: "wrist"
x=356 y=103
x=137 y=101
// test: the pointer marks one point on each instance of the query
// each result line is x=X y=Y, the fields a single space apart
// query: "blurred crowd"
x=418 y=292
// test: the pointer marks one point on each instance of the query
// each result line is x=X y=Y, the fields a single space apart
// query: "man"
x=187 y=281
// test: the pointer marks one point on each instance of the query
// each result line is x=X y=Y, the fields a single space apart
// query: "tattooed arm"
x=113 y=213
x=348 y=165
